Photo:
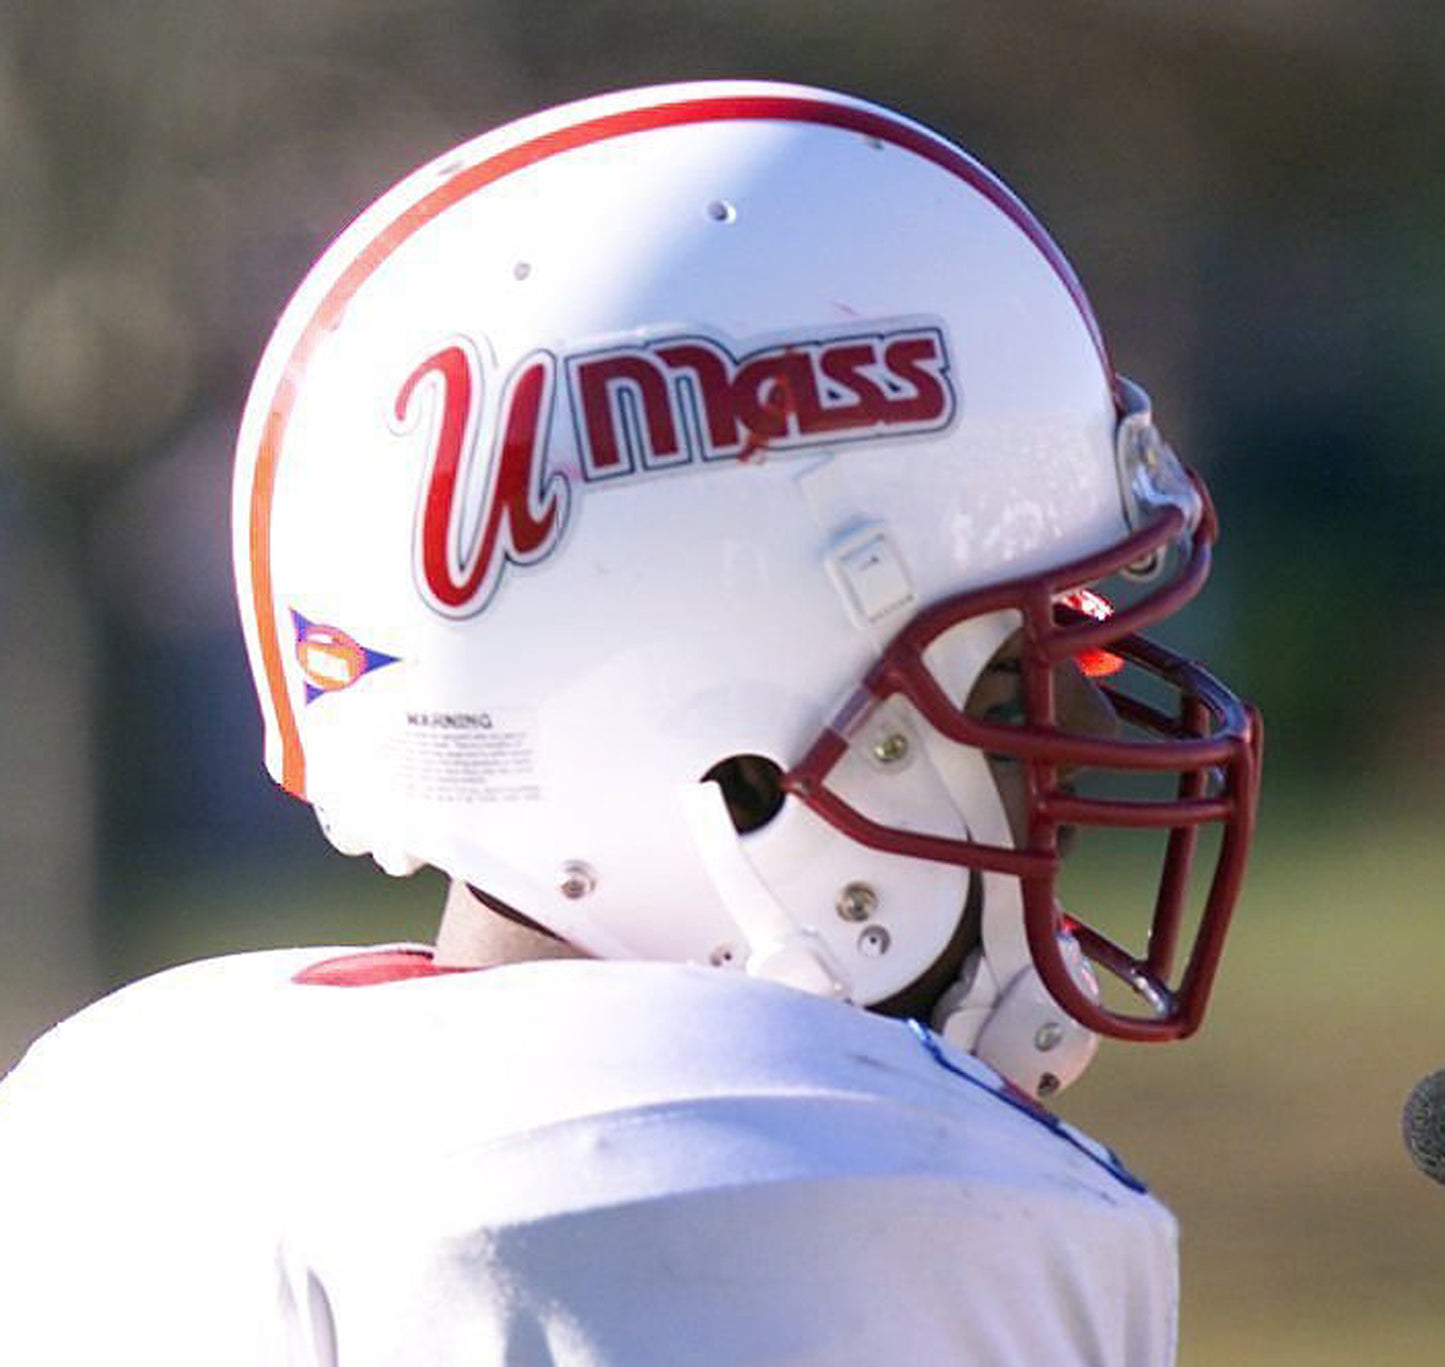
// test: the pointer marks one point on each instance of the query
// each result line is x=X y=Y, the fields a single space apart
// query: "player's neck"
x=474 y=935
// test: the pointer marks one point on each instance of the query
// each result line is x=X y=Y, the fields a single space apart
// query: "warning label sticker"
x=483 y=757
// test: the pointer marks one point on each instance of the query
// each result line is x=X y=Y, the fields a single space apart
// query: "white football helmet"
x=629 y=503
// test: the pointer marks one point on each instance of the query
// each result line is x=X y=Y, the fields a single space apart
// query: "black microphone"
x=1423 y=1125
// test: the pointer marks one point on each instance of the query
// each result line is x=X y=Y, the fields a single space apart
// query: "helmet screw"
x=873 y=943
x=1147 y=567
x=1048 y=1036
x=576 y=880
x=891 y=748
x=856 y=902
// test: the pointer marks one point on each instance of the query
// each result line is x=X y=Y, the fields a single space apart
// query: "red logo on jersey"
x=636 y=410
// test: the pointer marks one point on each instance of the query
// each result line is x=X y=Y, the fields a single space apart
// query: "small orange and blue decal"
x=330 y=659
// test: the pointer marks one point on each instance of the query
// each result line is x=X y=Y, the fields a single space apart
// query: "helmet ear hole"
x=752 y=787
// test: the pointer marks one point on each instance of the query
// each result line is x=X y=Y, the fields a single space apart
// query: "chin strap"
x=1019 y=1030
x=778 y=949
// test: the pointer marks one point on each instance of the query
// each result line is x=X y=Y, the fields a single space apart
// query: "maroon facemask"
x=1209 y=742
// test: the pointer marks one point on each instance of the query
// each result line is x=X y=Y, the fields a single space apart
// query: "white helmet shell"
x=619 y=442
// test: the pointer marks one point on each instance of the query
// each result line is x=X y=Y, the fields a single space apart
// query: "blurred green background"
x=1252 y=192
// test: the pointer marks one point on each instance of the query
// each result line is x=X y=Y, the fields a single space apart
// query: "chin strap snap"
x=1019 y=1030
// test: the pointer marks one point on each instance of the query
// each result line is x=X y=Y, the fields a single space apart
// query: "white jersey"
x=566 y=1162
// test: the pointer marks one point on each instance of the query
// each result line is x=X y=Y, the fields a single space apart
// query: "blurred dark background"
x=1251 y=190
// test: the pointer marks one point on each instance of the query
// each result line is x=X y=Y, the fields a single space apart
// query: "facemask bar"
x=1213 y=745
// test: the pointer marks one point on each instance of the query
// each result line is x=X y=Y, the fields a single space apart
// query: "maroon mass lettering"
x=636 y=409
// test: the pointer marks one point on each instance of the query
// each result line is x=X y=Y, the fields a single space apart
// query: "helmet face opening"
x=1205 y=742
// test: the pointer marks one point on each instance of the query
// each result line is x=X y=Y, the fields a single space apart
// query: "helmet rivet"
x=873 y=943
x=722 y=956
x=576 y=880
x=1048 y=1036
x=720 y=211
x=1147 y=567
x=856 y=902
x=891 y=748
